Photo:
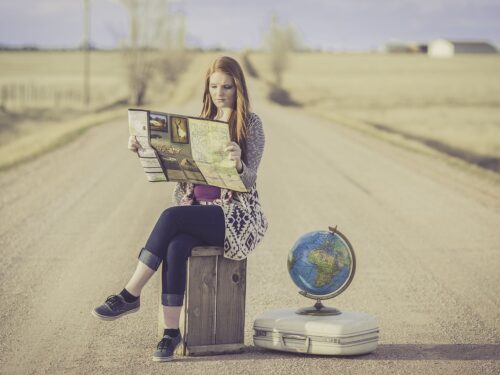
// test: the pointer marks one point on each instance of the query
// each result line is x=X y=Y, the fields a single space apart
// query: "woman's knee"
x=169 y=215
x=179 y=248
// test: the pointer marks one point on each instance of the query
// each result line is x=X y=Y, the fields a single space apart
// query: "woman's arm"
x=255 y=147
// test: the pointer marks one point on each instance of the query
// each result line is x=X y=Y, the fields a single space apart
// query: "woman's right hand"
x=133 y=144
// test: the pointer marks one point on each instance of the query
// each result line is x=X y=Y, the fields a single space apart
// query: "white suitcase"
x=349 y=333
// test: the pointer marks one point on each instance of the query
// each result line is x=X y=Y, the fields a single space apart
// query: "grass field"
x=50 y=110
x=48 y=74
x=450 y=103
x=40 y=89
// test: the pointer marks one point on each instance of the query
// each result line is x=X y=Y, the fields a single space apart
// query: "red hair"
x=241 y=108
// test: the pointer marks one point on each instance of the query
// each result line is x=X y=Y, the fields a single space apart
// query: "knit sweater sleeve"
x=255 y=147
x=179 y=191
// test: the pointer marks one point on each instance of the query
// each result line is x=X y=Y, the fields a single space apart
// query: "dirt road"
x=426 y=236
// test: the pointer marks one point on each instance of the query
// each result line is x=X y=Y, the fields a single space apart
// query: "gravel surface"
x=426 y=236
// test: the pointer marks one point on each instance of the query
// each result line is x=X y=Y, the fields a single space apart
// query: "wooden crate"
x=213 y=317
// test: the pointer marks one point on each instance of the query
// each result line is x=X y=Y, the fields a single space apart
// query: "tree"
x=279 y=41
x=155 y=45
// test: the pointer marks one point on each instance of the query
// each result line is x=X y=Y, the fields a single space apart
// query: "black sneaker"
x=115 y=307
x=165 y=348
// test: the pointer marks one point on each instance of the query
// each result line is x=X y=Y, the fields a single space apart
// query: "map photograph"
x=173 y=169
x=179 y=130
x=192 y=172
x=158 y=122
x=189 y=164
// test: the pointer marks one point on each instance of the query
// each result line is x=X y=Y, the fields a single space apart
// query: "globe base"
x=318 y=309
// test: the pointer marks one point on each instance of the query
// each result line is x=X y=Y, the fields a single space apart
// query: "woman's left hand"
x=234 y=154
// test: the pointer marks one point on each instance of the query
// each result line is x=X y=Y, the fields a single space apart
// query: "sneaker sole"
x=104 y=317
x=162 y=359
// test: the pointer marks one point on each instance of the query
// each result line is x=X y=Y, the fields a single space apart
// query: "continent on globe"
x=320 y=263
x=325 y=264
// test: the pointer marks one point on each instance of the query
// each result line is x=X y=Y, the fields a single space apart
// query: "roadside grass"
x=54 y=80
x=28 y=132
x=448 y=105
x=430 y=106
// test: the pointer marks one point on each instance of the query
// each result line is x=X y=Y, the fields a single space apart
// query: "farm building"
x=449 y=48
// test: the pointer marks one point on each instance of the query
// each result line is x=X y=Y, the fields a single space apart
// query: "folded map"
x=184 y=149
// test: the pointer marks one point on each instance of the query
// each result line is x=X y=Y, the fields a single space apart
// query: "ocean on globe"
x=321 y=263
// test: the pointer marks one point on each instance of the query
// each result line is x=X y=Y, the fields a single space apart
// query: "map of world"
x=320 y=262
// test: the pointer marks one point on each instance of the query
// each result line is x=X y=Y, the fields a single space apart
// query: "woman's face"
x=222 y=90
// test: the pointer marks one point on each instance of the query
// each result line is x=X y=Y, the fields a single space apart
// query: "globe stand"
x=318 y=308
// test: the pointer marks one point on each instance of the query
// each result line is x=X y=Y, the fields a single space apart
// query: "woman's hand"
x=234 y=154
x=133 y=144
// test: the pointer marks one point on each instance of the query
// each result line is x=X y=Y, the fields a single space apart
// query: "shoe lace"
x=113 y=301
x=164 y=343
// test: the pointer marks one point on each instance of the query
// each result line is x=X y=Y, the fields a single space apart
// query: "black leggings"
x=176 y=232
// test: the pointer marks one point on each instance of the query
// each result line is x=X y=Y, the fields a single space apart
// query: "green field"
x=452 y=104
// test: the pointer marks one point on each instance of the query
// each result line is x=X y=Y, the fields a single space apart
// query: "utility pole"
x=86 y=53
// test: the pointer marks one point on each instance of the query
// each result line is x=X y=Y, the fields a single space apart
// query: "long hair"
x=241 y=108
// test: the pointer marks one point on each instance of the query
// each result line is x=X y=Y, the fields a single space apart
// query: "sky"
x=338 y=25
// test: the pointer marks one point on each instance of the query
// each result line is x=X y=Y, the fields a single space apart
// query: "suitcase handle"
x=306 y=339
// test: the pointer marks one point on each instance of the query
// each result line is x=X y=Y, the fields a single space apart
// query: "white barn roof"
x=448 y=47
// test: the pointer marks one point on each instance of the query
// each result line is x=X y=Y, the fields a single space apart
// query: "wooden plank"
x=215 y=349
x=200 y=303
x=206 y=251
x=230 y=305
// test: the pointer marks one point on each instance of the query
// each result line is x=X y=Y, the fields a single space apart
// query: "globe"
x=321 y=264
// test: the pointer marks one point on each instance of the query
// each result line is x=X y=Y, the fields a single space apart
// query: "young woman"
x=202 y=215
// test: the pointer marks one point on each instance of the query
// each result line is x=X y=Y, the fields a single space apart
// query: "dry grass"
x=33 y=128
x=62 y=72
x=453 y=101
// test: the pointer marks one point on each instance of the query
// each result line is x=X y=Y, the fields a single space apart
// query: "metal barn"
x=450 y=48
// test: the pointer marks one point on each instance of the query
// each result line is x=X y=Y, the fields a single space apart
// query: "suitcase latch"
x=295 y=338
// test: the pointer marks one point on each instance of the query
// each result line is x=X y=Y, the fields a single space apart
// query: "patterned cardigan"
x=245 y=221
